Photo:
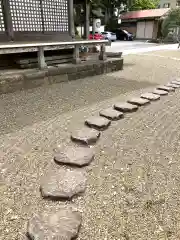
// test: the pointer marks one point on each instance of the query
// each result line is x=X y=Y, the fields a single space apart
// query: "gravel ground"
x=172 y=54
x=133 y=183
x=154 y=69
x=25 y=108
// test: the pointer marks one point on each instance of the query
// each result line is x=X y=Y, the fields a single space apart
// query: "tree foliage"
x=144 y=4
x=107 y=3
x=104 y=9
x=170 y=22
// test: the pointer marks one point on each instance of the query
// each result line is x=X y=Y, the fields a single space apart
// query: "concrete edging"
x=56 y=74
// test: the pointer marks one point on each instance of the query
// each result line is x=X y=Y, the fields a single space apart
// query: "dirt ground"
x=133 y=185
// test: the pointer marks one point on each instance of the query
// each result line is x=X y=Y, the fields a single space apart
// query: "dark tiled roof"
x=152 y=13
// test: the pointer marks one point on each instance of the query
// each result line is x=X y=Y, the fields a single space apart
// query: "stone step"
x=111 y=114
x=125 y=107
x=99 y=123
x=85 y=135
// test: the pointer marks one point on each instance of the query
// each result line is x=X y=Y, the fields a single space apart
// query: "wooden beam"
x=71 y=18
x=7 y=19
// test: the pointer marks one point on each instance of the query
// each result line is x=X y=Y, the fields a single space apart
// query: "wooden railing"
x=43 y=46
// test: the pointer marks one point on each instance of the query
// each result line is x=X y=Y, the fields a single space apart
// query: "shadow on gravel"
x=24 y=108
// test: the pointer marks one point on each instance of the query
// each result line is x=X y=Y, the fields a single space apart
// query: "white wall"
x=90 y=29
x=171 y=2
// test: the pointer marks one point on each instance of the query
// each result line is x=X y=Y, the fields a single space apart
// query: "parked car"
x=96 y=36
x=109 y=36
x=124 y=35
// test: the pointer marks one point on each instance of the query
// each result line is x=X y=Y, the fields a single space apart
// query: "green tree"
x=171 y=23
x=144 y=4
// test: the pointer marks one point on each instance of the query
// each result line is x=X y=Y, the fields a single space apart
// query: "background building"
x=169 y=3
x=144 y=24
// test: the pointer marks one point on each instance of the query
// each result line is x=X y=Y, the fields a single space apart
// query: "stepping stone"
x=99 y=123
x=177 y=79
x=78 y=156
x=165 y=88
x=173 y=85
x=111 y=114
x=63 y=183
x=64 y=225
x=85 y=136
x=125 y=107
x=175 y=82
x=150 y=96
x=160 y=92
x=139 y=101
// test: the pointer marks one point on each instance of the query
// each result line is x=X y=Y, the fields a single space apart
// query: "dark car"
x=124 y=35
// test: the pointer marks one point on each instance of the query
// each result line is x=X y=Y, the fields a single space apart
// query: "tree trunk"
x=87 y=16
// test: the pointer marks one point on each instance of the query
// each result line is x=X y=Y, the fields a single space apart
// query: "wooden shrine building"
x=40 y=33
x=36 y=20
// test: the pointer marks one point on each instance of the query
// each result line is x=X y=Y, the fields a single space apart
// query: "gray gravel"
x=133 y=183
x=25 y=108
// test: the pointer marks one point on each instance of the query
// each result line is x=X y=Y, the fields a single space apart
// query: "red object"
x=96 y=36
x=151 y=13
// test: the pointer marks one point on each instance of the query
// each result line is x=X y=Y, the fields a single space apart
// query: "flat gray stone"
x=160 y=92
x=99 y=123
x=173 y=85
x=139 y=101
x=177 y=79
x=79 y=156
x=125 y=107
x=175 y=82
x=111 y=114
x=165 y=88
x=63 y=183
x=150 y=96
x=62 y=225
x=85 y=135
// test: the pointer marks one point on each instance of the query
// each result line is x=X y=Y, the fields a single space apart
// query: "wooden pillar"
x=41 y=58
x=76 y=58
x=87 y=16
x=7 y=19
x=71 y=18
x=102 y=55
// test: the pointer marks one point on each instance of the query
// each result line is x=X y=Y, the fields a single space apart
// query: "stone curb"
x=56 y=74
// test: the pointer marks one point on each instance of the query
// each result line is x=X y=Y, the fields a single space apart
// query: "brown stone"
x=150 y=96
x=85 y=136
x=111 y=114
x=139 y=101
x=125 y=107
x=165 y=88
x=62 y=183
x=160 y=92
x=173 y=85
x=99 y=123
x=62 y=225
x=79 y=156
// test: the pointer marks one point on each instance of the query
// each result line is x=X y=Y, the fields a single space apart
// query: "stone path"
x=133 y=179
